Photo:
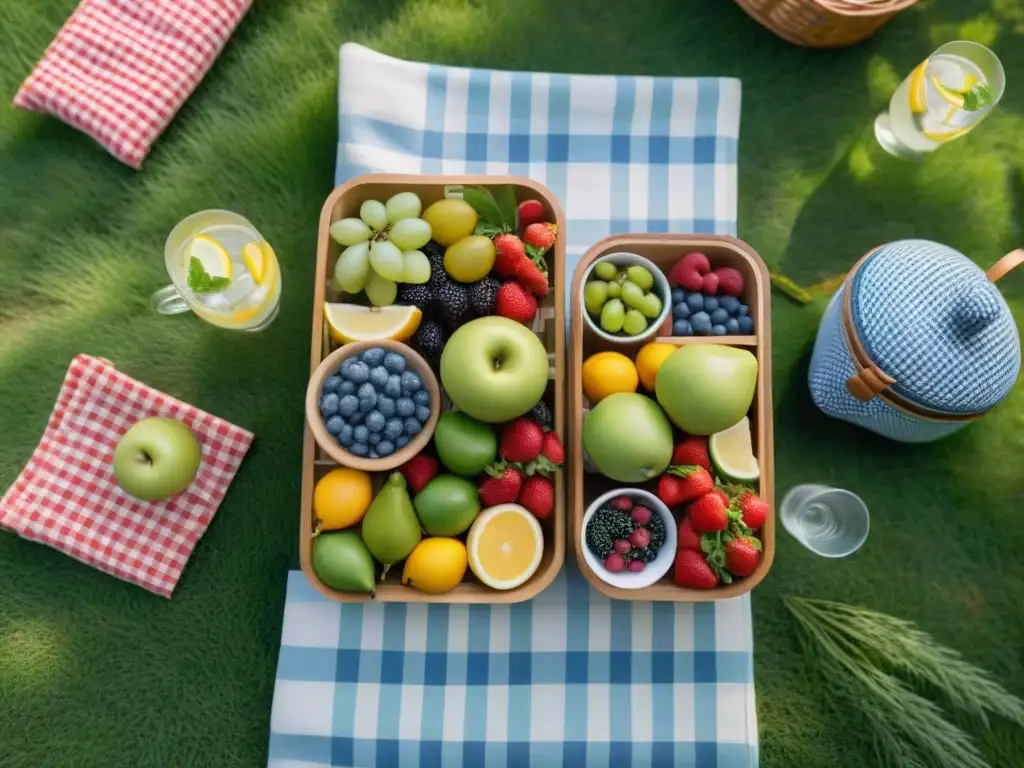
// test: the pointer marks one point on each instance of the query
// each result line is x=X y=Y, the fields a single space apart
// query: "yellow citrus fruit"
x=917 y=89
x=341 y=498
x=211 y=255
x=470 y=259
x=649 y=360
x=605 y=373
x=505 y=546
x=256 y=260
x=436 y=565
x=353 y=322
x=450 y=220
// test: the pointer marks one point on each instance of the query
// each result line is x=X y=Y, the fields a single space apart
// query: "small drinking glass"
x=944 y=98
x=830 y=522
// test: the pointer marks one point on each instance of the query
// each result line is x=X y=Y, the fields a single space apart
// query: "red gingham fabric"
x=119 y=70
x=67 y=496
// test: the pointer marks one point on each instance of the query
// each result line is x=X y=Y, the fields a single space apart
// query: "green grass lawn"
x=94 y=672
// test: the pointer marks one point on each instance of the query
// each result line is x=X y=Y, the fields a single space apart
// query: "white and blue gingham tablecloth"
x=570 y=678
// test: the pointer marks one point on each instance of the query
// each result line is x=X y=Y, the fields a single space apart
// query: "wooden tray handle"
x=1011 y=260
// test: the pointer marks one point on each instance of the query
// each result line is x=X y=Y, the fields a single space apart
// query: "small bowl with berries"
x=628 y=538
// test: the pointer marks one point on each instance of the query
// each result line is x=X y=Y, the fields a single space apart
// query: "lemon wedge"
x=256 y=260
x=352 y=322
x=917 y=89
x=211 y=255
x=505 y=546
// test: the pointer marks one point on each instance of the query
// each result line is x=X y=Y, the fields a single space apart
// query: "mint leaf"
x=506 y=200
x=484 y=204
x=971 y=101
x=200 y=281
x=217 y=284
x=487 y=230
x=979 y=97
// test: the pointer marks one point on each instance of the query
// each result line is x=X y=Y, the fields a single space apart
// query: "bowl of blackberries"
x=373 y=405
x=629 y=538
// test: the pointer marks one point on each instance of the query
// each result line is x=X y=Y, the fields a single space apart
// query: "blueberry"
x=333 y=383
x=373 y=439
x=355 y=418
x=421 y=398
x=394 y=362
x=347 y=363
x=412 y=426
x=711 y=303
x=401 y=441
x=386 y=406
x=701 y=323
x=411 y=383
x=742 y=311
x=347 y=388
x=729 y=303
x=373 y=356
x=345 y=435
x=393 y=388
x=348 y=405
x=334 y=425
x=719 y=316
x=746 y=324
x=367 y=397
x=695 y=302
x=379 y=376
x=329 y=405
x=385 y=447
x=374 y=454
x=405 y=406
x=394 y=429
x=375 y=421
x=422 y=414
x=681 y=311
x=682 y=328
x=718 y=330
x=732 y=326
x=357 y=372
x=360 y=433
x=359 y=449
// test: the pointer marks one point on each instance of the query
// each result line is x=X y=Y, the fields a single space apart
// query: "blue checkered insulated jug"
x=917 y=343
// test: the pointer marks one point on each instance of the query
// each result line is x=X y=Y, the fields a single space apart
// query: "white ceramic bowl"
x=655 y=569
x=661 y=287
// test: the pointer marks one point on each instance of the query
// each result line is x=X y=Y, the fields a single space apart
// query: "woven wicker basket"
x=824 y=23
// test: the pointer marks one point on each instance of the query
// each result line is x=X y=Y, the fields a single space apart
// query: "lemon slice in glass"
x=255 y=260
x=211 y=255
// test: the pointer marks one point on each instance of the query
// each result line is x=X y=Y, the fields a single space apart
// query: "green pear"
x=390 y=528
x=706 y=388
x=342 y=561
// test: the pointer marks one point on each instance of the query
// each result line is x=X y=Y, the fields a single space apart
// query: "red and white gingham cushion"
x=67 y=496
x=119 y=70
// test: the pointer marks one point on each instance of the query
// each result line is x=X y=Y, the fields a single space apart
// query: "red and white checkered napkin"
x=119 y=70
x=67 y=496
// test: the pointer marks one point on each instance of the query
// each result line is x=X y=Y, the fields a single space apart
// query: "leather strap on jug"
x=1010 y=261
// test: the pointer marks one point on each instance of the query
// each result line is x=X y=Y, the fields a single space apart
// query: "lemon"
x=951 y=96
x=436 y=565
x=470 y=259
x=917 y=89
x=505 y=546
x=341 y=498
x=352 y=322
x=732 y=453
x=649 y=360
x=211 y=255
x=606 y=373
x=256 y=260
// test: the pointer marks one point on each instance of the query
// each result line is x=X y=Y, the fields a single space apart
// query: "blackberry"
x=435 y=255
x=453 y=302
x=483 y=296
x=429 y=340
x=541 y=413
x=415 y=295
x=604 y=527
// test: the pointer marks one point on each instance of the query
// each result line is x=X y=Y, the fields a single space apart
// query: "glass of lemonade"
x=948 y=94
x=222 y=269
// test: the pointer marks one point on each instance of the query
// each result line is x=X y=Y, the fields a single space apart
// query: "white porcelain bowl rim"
x=660 y=284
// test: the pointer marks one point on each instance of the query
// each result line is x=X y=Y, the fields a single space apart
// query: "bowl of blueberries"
x=373 y=405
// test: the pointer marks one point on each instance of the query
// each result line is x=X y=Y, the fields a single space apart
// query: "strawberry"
x=516 y=303
x=508 y=252
x=709 y=284
x=754 y=509
x=689 y=537
x=540 y=236
x=692 y=570
x=708 y=513
x=501 y=486
x=538 y=496
x=697 y=481
x=742 y=555
x=521 y=440
x=671 y=490
x=730 y=281
x=692 y=450
x=531 y=276
x=552 y=449
x=418 y=471
x=689 y=271
x=530 y=212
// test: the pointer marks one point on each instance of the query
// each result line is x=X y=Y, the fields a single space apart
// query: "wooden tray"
x=549 y=326
x=664 y=251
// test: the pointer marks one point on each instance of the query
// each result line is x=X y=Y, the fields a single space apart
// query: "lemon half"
x=211 y=255
x=353 y=322
x=505 y=546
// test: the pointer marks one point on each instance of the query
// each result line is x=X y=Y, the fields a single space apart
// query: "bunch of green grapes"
x=622 y=300
x=382 y=248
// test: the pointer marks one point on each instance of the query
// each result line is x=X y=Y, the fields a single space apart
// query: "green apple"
x=156 y=459
x=628 y=438
x=465 y=445
x=447 y=505
x=706 y=388
x=494 y=369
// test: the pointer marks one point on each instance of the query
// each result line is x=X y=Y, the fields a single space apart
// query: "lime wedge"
x=732 y=453
x=211 y=255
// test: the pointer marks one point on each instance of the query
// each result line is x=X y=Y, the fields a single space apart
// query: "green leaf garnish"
x=977 y=98
x=200 y=281
x=487 y=230
x=506 y=200
x=484 y=204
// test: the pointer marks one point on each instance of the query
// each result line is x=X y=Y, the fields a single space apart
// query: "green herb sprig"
x=977 y=98
x=200 y=281
x=857 y=650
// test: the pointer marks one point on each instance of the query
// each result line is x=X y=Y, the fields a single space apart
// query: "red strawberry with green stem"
x=538 y=496
x=692 y=450
x=672 y=490
x=508 y=252
x=521 y=440
x=531 y=276
x=692 y=570
x=742 y=555
x=501 y=485
x=696 y=480
x=708 y=514
x=540 y=237
x=754 y=510
x=418 y=471
x=689 y=537
x=530 y=212
x=515 y=303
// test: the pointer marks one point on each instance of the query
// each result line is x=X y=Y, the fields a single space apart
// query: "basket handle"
x=999 y=270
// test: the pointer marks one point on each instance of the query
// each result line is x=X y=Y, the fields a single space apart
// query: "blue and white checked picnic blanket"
x=571 y=677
